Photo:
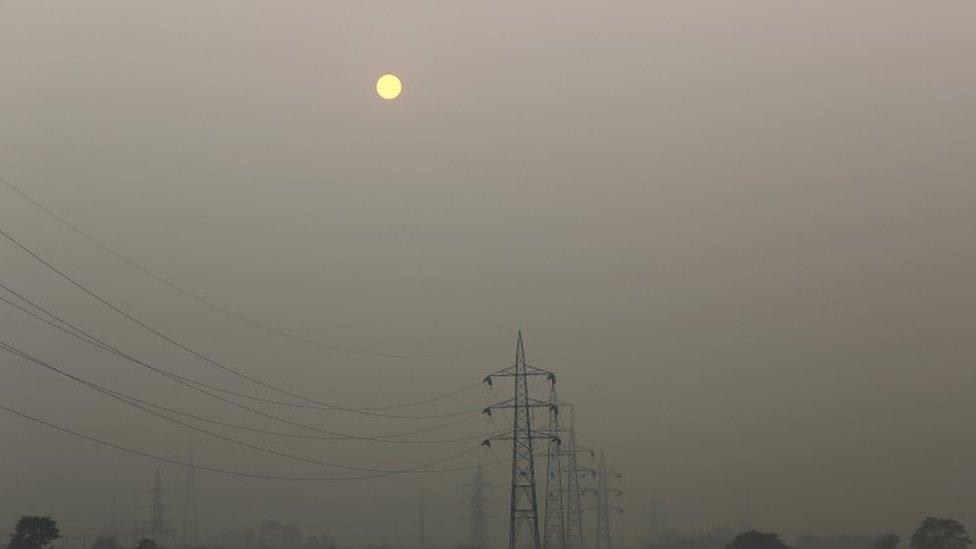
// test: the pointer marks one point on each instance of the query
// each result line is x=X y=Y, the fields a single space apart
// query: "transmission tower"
x=524 y=508
x=555 y=511
x=158 y=528
x=655 y=518
x=603 y=507
x=574 y=492
x=478 y=510
x=190 y=519
x=423 y=540
x=115 y=524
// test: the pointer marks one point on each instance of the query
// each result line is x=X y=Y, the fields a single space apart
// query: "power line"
x=420 y=469
x=108 y=392
x=196 y=353
x=390 y=440
x=246 y=319
x=191 y=384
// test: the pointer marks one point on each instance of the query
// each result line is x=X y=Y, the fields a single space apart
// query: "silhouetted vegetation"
x=146 y=543
x=754 y=539
x=718 y=538
x=834 y=542
x=940 y=533
x=106 y=542
x=887 y=541
x=34 y=532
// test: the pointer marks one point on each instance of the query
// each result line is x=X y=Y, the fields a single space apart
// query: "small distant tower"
x=655 y=518
x=115 y=522
x=423 y=540
x=554 y=533
x=158 y=528
x=603 y=507
x=478 y=510
x=191 y=532
x=574 y=491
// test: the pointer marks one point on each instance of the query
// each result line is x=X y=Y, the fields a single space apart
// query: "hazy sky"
x=740 y=232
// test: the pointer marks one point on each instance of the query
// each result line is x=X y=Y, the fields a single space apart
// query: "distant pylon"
x=423 y=540
x=574 y=492
x=603 y=507
x=555 y=510
x=115 y=525
x=655 y=518
x=190 y=520
x=158 y=528
x=524 y=508
x=478 y=510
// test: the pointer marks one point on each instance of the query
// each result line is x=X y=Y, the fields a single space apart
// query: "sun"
x=388 y=86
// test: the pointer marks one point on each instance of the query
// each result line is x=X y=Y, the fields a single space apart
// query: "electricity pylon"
x=190 y=520
x=555 y=510
x=574 y=492
x=524 y=508
x=655 y=518
x=115 y=524
x=478 y=510
x=158 y=527
x=603 y=507
x=422 y=517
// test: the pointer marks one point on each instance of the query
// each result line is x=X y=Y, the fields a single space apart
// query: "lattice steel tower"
x=524 y=508
x=603 y=507
x=158 y=527
x=190 y=522
x=555 y=510
x=478 y=510
x=574 y=492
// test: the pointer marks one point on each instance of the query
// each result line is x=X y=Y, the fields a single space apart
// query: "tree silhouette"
x=887 y=541
x=940 y=533
x=105 y=542
x=146 y=543
x=33 y=532
x=322 y=541
x=754 y=539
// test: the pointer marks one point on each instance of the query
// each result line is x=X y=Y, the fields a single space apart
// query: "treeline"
x=41 y=532
x=932 y=533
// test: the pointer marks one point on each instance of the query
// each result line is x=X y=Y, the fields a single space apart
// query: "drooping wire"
x=127 y=397
x=246 y=319
x=418 y=470
x=92 y=340
x=206 y=358
x=84 y=336
x=112 y=394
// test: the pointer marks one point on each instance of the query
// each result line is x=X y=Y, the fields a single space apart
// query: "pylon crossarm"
x=512 y=403
x=535 y=435
x=523 y=370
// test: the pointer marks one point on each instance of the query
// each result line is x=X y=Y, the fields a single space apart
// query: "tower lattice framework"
x=555 y=509
x=523 y=507
x=603 y=491
x=190 y=520
x=574 y=490
x=478 y=510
